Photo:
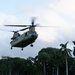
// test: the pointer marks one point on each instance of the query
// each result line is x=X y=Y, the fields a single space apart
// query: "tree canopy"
x=48 y=61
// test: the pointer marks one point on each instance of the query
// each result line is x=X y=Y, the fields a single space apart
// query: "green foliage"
x=46 y=62
x=74 y=51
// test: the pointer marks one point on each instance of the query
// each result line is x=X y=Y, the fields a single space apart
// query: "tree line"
x=49 y=61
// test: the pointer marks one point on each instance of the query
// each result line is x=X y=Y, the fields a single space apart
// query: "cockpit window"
x=25 y=34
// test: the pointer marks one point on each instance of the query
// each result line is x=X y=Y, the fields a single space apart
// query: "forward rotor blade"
x=23 y=29
x=7 y=30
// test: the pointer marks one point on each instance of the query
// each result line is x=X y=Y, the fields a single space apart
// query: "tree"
x=74 y=48
x=74 y=51
x=43 y=58
x=52 y=57
x=57 y=59
x=66 y=53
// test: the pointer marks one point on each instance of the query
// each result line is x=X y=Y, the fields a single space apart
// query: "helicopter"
x=25 y=39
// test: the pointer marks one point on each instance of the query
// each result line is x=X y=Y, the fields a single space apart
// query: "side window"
x=25 y=34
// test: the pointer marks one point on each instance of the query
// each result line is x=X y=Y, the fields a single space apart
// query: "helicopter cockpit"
x=15 y=35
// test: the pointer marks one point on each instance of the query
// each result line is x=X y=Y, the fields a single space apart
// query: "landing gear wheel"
x=22 y=49
x=11 y=48
x=31 y=45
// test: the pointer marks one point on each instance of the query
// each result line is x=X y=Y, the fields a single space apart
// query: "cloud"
x=6 y=19
x=64 y=6
x=58 y=13
x=51 y=34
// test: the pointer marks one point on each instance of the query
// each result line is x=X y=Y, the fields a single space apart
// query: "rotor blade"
x=7 y=30
x=17 y=25
x=3 y=30
x=23 y=29
x=37 y=25
x=33 y=20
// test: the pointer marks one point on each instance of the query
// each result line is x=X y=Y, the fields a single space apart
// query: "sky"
x=57 y=13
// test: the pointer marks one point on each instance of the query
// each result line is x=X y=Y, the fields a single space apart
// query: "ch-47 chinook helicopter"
x=25 y=39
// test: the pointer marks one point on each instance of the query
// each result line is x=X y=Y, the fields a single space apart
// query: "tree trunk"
x=10 y=71
x=2 y=71
x=66 y=65
x=58 y=70
x=44 y=69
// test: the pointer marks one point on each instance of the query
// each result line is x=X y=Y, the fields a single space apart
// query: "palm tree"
x=66 y=53
x=74 y=48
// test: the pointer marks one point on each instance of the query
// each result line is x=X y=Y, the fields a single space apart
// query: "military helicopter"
x=25 y=39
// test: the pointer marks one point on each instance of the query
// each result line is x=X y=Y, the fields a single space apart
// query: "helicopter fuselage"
x=24 y=40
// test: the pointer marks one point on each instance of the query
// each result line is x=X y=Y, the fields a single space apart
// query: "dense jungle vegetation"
x=49 y=61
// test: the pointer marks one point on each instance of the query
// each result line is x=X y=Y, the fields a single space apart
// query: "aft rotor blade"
x=33 y=21
x=17 y=25
x=45 y=26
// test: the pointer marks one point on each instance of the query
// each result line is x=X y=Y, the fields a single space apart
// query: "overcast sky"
x=59 y=13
